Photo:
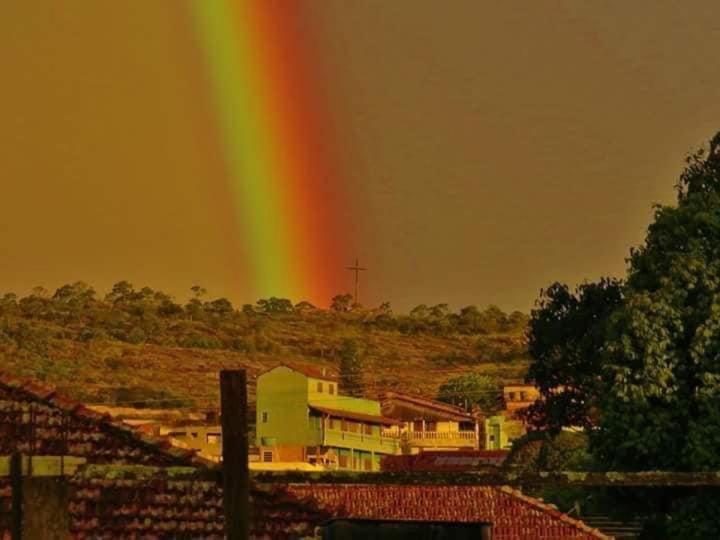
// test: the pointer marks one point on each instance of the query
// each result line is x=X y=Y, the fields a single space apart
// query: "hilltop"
x=141 y=348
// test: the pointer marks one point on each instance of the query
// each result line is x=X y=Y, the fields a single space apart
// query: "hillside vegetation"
x=140 y=347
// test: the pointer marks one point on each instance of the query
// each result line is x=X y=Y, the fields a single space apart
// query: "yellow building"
x=303 y=418
x=426 y=424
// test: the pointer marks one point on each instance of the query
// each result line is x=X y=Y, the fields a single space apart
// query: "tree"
x=420 y=312
x=341 y=303
x=275 y=305
x=304 y=307
x=351 y=368
x=472 y=389
x=566 y=340
x=655 y=376
x=661 y=400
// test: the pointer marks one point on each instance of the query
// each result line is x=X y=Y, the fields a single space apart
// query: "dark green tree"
x=275 y=305
x=341 y=303
x=351 y=368
x=566 y=340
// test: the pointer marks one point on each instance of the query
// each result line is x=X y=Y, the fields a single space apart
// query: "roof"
x=514 y=516
x=370 y=418
x=91 y=434
x=308 y=371
x=445 y=410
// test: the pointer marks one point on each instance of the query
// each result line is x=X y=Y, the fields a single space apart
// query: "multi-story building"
x=519 y=396
x=303 y=418
x=426 y=424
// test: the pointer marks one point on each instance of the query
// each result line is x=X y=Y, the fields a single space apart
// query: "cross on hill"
x=357 y=269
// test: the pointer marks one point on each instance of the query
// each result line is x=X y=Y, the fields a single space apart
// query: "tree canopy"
x=639 y=361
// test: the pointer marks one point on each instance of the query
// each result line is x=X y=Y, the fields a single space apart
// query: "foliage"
x=341 y=303
x=566 y=339
x=472 y=390
x=544 y=451
x=645 y=356
x=351 y=368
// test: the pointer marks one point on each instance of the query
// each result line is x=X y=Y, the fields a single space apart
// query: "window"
x=331 y=389
x=367 y=429
x=194 y=434
x=522 y=396
x=431 y=426
x=343 y=425
x=264 y=417
x=332 y=423
x=511 y=396
x=267 y=457
x=213 y=438
x=353 y=427
x=320 y=387
x=343 y=462
x=417 y=425
x=367 y=462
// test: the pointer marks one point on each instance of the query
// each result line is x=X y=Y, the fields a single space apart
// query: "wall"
x=282 y=393
x=45 y=504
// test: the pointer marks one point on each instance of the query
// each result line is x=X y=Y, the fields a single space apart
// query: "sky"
x=487 y=149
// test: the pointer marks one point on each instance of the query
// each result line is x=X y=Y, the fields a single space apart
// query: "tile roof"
x=308 y=371
x=390 y=399
x=35 y=419
x=369 y=418
x=514 y=516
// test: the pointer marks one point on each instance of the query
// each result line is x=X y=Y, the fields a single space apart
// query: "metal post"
x=17 y=495
x=236 y=474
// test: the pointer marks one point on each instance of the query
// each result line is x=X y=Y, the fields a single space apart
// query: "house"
x=519 y=396
x=303 y=418
x=205 y=439
x=426 y=424
x=511 y=514
x=140 y=487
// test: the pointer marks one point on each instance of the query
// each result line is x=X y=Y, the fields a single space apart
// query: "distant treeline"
x=147 y=315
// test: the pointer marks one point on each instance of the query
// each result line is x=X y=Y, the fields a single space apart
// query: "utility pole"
x=235 y=469
x=357 y=269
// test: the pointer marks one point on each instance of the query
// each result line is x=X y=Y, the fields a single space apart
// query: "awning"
x=360 y=417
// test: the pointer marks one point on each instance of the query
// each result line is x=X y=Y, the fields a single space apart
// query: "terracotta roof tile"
x=94 y=435
x=513 y=515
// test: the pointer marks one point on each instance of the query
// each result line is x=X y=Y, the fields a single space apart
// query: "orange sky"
x=491 y=148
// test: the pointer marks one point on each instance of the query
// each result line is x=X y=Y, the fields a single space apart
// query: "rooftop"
x=360 y=417
x=309 y=371
x=391 y=401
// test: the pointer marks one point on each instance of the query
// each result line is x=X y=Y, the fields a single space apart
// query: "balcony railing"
x=440 y=435
x=359 y=440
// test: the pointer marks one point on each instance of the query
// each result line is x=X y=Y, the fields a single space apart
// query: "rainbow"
x=274 y=129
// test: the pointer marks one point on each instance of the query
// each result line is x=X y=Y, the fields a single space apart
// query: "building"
x=142 y=487
x=457 y=461
x=510 y=514
x=519 y=397
x=426 y=424
x=303 y=418
x=205 y=439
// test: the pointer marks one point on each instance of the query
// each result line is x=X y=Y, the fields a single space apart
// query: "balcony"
x=444 y=439
x=384 y=444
